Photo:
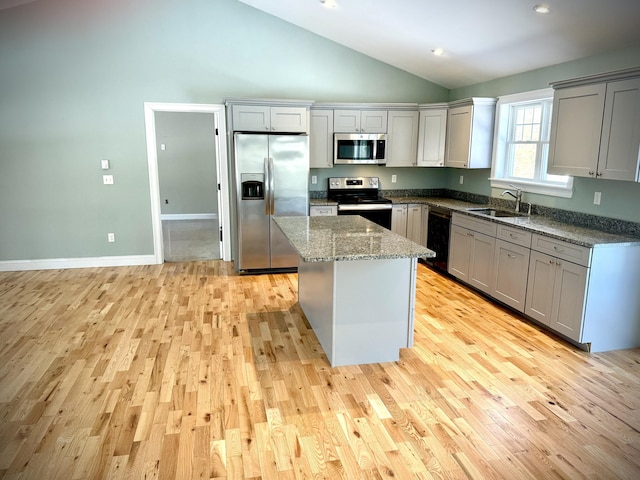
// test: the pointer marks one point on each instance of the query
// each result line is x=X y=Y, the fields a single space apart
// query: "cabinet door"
x=459 y=137
x=399 y=220
x=289 y=119
x=251 y=118
x=460 y=248
x=346 y=121
x=510 y=272
x=540 y=285
x=620 y=142
x=424 y=233
x=432 y=137
x=373 y=121
x=321 y=139
x=569 y=299
x=481 y=265
x=414 y=223
x=576 y=123
x=402 y=139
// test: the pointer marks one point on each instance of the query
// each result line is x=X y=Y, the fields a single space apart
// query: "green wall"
x=619 y=199
x=74 y=76
x=187 y=165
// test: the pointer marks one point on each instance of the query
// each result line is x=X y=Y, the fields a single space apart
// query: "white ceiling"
x=482 y=39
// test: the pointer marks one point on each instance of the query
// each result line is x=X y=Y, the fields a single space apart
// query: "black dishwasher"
x=439 y=226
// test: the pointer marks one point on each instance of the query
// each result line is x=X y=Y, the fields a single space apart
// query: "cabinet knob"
x=591 y=172
x=598 y=174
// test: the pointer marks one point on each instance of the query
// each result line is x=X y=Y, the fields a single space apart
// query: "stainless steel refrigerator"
x=272 y=174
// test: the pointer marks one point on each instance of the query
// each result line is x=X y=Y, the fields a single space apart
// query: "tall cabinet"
x=595 y=126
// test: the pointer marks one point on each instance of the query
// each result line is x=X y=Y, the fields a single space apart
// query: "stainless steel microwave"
x=359 y=148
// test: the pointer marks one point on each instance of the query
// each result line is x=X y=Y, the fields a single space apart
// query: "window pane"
x=519 y=134
x=524 y=160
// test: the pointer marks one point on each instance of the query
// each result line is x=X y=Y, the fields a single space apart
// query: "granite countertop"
x=577 y=235
x=347 y=237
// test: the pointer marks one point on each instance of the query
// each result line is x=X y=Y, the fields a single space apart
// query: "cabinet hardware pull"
x=558 y=249
x=598 y=174
x=510 y=256
x=512 y=235
x=551 y=262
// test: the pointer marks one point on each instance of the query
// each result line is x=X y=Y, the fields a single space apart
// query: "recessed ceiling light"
x=438 y=52
x=542 y=9
x=329 y=3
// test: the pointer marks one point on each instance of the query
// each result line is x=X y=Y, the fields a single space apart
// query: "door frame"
x=218 y=112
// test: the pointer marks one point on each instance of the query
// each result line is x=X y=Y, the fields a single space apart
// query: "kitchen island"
x=356 y=286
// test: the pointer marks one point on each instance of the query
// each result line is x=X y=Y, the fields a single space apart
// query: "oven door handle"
x=361 y=207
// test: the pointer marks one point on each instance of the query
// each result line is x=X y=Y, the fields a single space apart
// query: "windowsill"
x=533 y=187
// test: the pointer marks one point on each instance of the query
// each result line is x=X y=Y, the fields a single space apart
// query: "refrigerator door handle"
x=272 y=191
x=267 y=190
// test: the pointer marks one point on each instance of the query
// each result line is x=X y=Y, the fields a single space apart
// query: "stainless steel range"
x=360 y=196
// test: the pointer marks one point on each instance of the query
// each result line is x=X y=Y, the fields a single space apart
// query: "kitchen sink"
x=492 y=212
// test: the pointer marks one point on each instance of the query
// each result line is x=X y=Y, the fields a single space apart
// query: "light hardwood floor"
x=186 y=370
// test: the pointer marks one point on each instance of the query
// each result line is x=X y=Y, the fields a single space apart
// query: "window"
x=521 y=147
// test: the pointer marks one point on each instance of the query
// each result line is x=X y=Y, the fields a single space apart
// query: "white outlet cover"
x=107 y=179
x=394 y=178
x=597 y=196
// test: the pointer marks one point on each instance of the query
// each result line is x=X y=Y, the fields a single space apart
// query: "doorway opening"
x=189 y=227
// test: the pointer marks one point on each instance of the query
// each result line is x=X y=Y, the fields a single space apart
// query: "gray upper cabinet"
x=402 y=138
x=267 y=116
x=360 y=121
x=321 y=139
x=620 y=141
x=595 y=127
x=432 y=136
x=470 y=133
x=576 y=122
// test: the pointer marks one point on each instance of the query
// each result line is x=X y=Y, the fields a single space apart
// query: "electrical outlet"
x=163 y=147
x=461 y=179
x=107 y=179
x=104 y=164
x=111 y=237
x=394 y=178
x=314 y=179
x=597 y=196
x=166 y=201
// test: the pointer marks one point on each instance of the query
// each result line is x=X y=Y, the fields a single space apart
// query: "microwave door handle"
x=267 y=193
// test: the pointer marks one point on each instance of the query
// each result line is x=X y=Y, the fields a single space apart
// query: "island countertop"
x=346 y=237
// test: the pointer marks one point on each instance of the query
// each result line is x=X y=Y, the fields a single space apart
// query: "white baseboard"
x=189 y=216
x=89 y=262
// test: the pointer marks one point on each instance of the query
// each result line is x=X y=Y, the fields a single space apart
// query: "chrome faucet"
x=517 y=196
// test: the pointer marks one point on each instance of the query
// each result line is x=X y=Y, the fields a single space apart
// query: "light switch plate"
x=394 y=178
x=104 y=164
x=314 y=179
x=597 y=196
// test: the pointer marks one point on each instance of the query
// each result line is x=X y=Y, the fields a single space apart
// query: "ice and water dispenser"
x=252 y=185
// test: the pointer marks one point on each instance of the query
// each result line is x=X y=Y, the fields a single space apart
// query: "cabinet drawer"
x=323 y=211
x=475 y=224
x=514 y=235
x=564 y=250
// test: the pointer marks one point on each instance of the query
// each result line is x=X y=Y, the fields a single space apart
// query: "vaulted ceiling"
x=481 y=39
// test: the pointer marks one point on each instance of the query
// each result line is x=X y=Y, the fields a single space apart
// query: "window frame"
x=499 y=166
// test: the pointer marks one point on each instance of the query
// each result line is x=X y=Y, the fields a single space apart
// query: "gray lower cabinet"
x=471 y=251
x=399 y=219
x=511 y=266
x=589 y=295
x=323 y=210
x=556 y=294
